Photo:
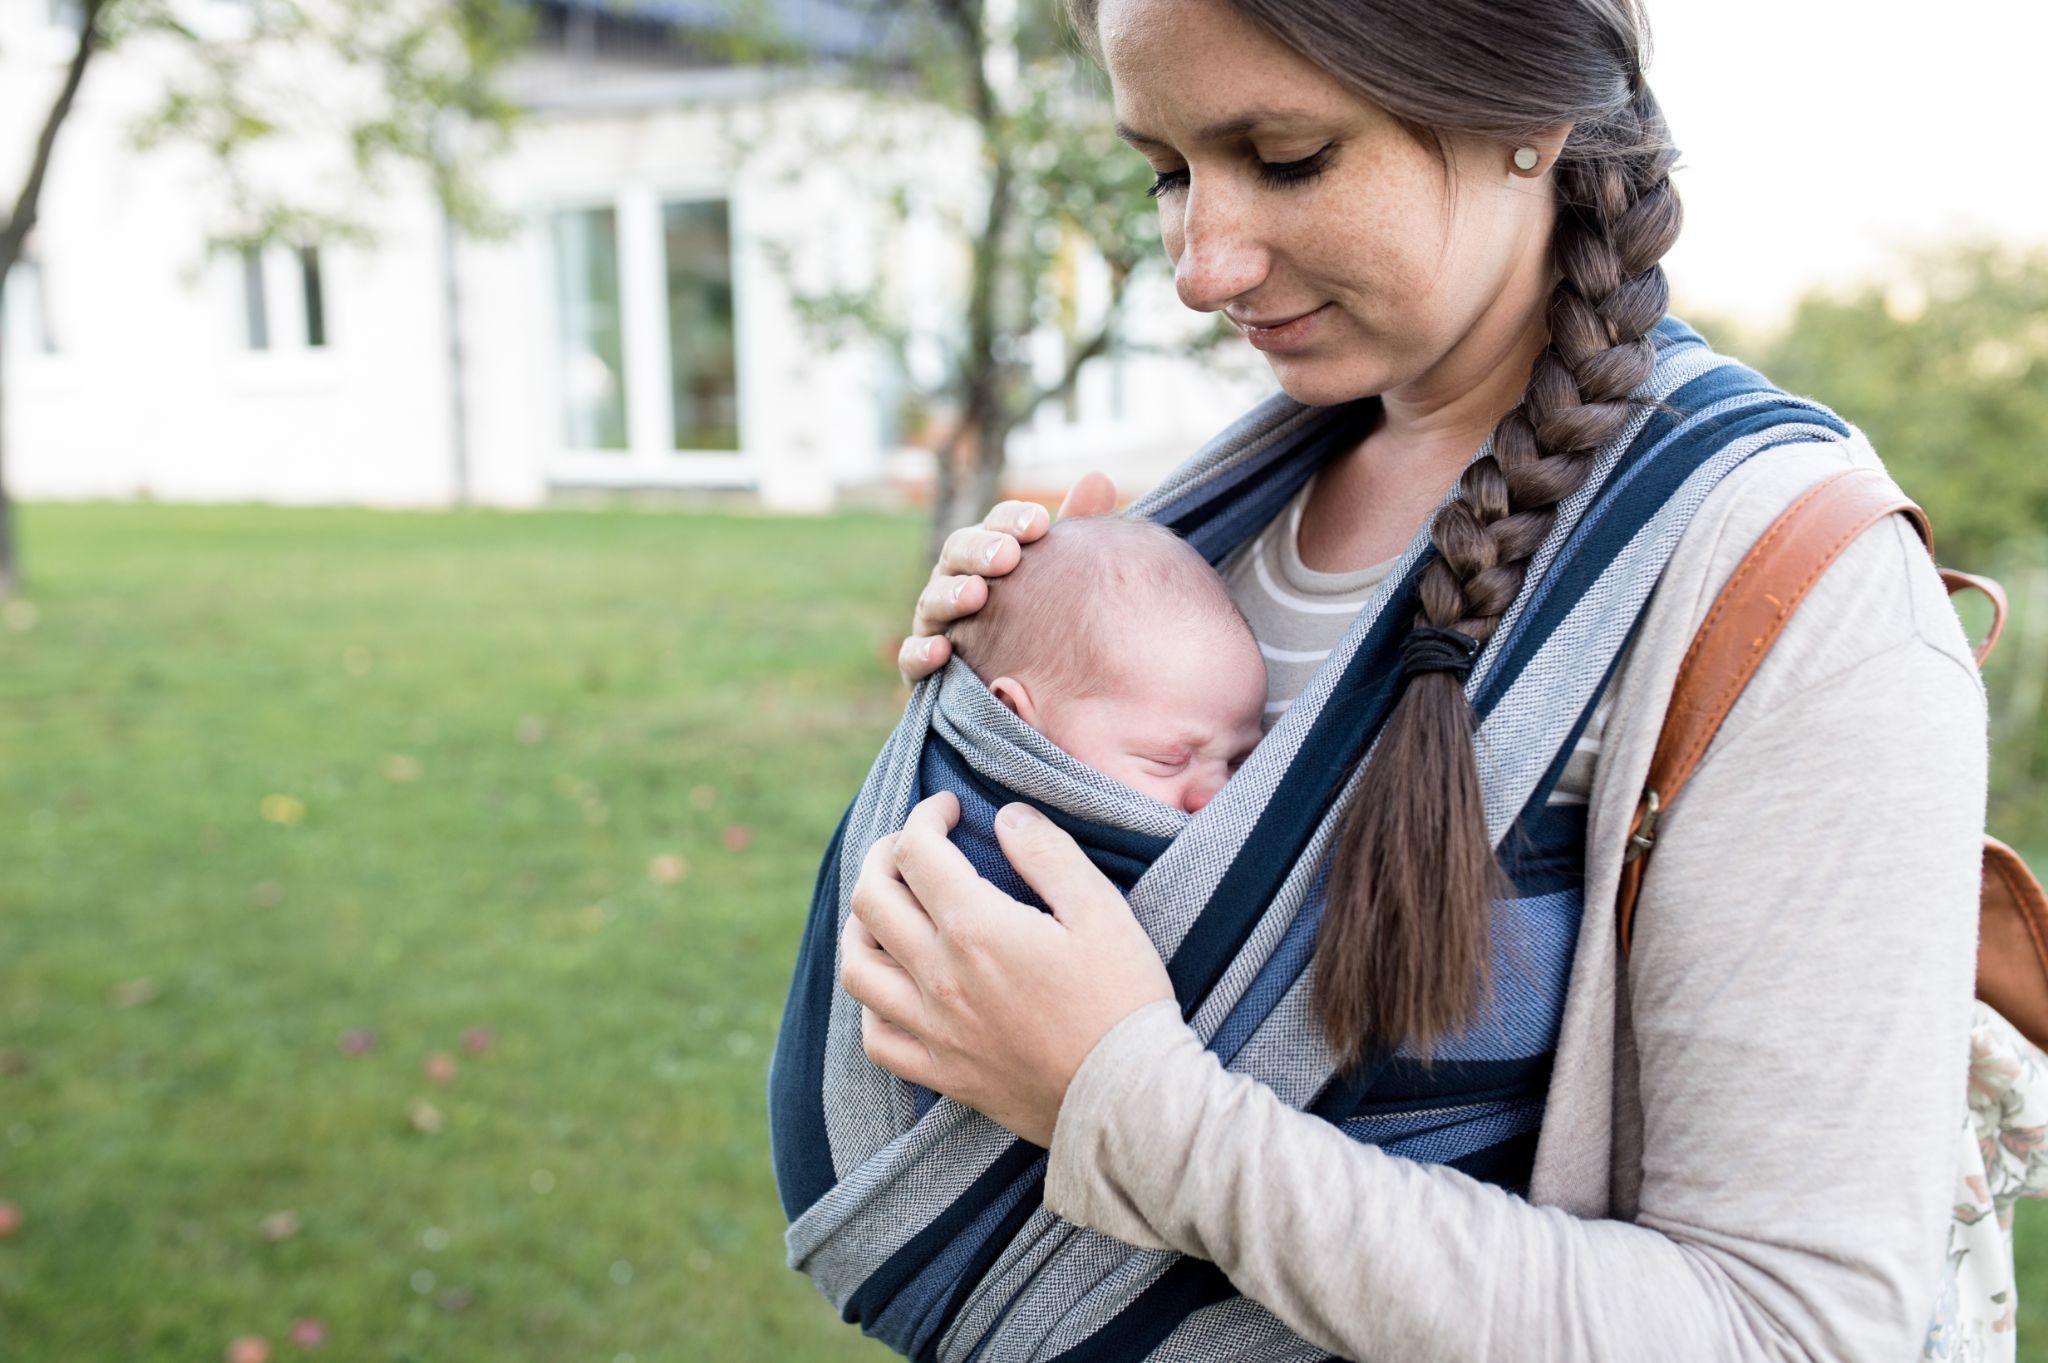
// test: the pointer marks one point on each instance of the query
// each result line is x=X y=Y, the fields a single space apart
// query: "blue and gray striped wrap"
x=922 y=1220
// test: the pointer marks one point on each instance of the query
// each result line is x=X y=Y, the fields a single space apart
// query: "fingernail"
x=988 y=555
x=1018 y=816
x=1025 y=521
x=925 y=654
x=953 y=598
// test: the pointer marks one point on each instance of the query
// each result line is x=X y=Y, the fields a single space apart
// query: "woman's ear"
x=1011 y=692
x=1547 y=145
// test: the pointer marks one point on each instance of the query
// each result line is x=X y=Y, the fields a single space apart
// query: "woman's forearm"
x=1367 y=1255
x=1799 y=992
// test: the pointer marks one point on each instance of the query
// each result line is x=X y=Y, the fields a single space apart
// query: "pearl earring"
x=1526 y=158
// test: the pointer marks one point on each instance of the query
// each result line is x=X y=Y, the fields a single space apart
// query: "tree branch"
x=14 y=234
x=965 y=17
x=1096 y=345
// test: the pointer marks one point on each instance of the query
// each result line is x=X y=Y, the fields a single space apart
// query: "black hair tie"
x=1432 y=648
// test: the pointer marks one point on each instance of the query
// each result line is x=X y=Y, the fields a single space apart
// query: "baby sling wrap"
x=922 y=1220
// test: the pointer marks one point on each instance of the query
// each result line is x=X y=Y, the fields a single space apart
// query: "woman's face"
x=1398 y=258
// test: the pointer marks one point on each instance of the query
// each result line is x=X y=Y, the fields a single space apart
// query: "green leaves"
x=367 y=91
x=1945 y=367
x=988 y=173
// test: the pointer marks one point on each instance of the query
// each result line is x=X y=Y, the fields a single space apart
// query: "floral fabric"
x=2004 y=1140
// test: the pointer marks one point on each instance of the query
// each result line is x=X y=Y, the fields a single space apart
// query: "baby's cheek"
x=1139 y=777
x=1084 y=747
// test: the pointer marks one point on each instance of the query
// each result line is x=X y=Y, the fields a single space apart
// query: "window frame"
x=279 y=300
x=668 y=202
x=650 y=459
x=29 y=331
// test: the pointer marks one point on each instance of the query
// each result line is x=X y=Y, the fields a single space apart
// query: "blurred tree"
x=1054 y=183
x=1945 y=367
x=410 y=82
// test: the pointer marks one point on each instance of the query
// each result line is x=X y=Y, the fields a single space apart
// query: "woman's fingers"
x=889 y=910
x=1091 y=495
x=957 y=587
x=975 y=553
x=1025 y=521
x=936 y=813
x=971 y=549
x=922 y=655
x=1054 y=865
x=936 y=872
x=896 y=1050
x=874 y=979
x=1098 y=921
x=947 y=598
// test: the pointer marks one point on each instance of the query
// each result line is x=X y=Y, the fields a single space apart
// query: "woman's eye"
x=1166 y=180
x=1295 y=172
x=1274 y=173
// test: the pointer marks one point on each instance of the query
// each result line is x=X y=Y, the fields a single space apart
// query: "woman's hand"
x=975 y=995
x=975 y=553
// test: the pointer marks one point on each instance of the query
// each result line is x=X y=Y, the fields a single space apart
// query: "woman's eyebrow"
x=1234 y=126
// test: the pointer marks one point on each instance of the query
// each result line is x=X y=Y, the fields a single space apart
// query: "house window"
x=24 y=309
x=593 y=376
x=703 y=360
x=68 y=15
x=314 y=298
x=258 y=321
x=646 y=361
x=255 y=300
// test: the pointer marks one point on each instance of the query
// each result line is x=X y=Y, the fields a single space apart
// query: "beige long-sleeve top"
x=1751 y=1136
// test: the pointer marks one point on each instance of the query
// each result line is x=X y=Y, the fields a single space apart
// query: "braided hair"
x=1405 y=942
x=1403 y=951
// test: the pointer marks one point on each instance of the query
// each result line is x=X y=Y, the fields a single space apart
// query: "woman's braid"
x=1404 y=950
x=1617 y=217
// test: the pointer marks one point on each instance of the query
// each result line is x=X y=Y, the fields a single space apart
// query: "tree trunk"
x=7 y=574
x=957 y=492
x=959 y=501
x=946 y=489
x=985 y=479
x=14 y=230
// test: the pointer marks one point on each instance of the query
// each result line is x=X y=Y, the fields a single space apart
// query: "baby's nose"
x=1198 y=792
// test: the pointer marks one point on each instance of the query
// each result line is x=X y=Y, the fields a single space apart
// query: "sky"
x=1821 y=137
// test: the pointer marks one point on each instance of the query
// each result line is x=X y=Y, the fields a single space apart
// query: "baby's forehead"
x=1204 y=659
x=1132 y=557
x=1208 y=629
x=1104 y=604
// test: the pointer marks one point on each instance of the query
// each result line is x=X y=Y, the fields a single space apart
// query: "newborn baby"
x=1119 y=643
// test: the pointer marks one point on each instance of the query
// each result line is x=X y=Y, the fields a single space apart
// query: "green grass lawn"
x=269 y=778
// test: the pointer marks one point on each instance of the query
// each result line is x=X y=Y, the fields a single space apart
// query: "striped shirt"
x=1299 y=615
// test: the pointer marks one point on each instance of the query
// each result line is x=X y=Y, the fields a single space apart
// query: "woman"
x=1748 y=1130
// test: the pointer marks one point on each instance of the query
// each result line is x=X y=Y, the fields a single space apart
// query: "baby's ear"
x=1011 y=692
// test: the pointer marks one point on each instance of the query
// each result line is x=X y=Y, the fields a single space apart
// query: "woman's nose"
x=1220 y=256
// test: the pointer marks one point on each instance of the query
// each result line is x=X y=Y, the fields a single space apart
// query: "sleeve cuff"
x=1115 y=1128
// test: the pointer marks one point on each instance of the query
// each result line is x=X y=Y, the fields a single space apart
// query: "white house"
x=633 y=333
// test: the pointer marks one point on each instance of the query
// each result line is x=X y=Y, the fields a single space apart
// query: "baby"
x=1118 y=642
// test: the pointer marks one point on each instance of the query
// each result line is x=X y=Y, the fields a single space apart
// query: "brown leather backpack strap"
x=1958 y=582
x=1745 y=619
x=2012 y=942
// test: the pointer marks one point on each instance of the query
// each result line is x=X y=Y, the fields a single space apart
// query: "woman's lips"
x=1292 y=334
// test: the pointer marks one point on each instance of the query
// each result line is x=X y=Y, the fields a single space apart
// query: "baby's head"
x=1114 y=639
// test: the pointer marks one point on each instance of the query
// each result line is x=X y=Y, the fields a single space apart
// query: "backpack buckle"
x=1645 y=831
